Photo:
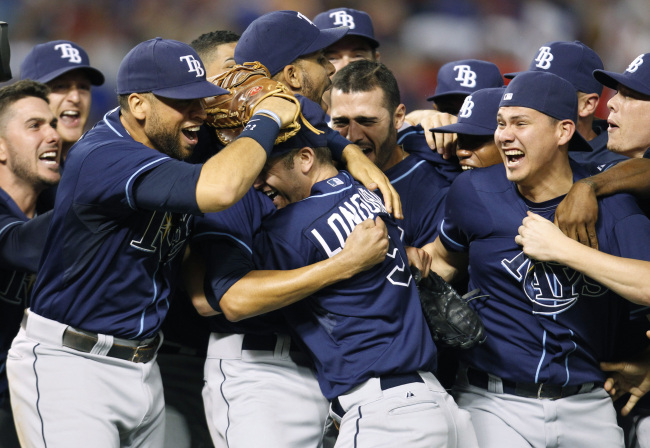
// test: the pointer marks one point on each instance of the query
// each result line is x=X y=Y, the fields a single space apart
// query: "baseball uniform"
x=367 y=336
x=536 y=380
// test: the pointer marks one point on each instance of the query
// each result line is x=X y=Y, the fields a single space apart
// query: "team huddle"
x=298 y=237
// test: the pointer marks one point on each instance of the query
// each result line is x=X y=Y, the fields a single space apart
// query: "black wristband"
x=263 y=130
x=336 y=143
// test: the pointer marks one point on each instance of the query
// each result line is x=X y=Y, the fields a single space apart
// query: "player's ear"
x=3 y=150
x=587 y=103
x=292 y=78
x=305 y=158
x=566 y=128
x=399 y=116
x=377 y=56
x=139 y=105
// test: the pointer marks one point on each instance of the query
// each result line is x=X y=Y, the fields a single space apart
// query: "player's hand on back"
x=366 y=172
x=367 y=245
x=420 y=259
x=629 y=376
x=576 y=215
x=445 y=144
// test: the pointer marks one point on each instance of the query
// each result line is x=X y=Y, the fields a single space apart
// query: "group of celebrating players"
x=290 y=261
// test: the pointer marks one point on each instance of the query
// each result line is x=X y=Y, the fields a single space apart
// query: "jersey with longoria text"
x=112 y=255
x=545 y=323
x=363 y=327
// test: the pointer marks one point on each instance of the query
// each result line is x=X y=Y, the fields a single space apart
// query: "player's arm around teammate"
x=262 y=291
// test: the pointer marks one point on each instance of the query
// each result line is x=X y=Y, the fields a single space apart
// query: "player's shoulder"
x=491 y=179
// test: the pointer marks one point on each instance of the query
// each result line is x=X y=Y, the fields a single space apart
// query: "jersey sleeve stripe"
x=135 y=175
x=408 y=172
x=240 y=242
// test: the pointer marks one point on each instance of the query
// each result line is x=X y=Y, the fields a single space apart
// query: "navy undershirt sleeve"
x=171 y=186
x=21 y=245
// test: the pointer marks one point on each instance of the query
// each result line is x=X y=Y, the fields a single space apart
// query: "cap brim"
x=510 y=75
x=326 y=38
x=96 y=77
x=448 y=94
x=613 y=79
x=195 y=90
x=463 y=128
x=373 y=42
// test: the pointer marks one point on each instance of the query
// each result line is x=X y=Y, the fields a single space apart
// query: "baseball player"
x=366 y=109
x=366 y=335
x=536 y=380
x=575 y=62
x=358 y=44
x=65 y=67
x=82 y=369
x=30 y=151
x=477 y=121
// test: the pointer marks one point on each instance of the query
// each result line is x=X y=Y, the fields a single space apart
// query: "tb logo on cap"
x=466 y=110
x=69 y=52
x=466 y=76
x=193 y=65
x=342 y=18
x=635 y=64
x=544 y=58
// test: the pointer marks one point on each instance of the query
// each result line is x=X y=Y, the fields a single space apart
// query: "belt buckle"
x=137 y=355
x=550 y=397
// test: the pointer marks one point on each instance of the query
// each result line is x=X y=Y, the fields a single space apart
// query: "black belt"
x=268 y=343
x=84 y=341
x=530 y=390
x=385 y=382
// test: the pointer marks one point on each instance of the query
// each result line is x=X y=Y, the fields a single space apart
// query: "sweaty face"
x=362 y=118
x=172 y=125
x=315 y=72
x=628 y=130
x=349 y=49
x=70 y=103
x=527 y=141
x=30 y=143
x=222 y=60
x=477 y=151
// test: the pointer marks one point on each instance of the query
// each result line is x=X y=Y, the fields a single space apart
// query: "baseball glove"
x=248 y=84
x=451 y=320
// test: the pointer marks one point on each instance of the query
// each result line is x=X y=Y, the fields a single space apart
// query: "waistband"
x=495 y=384
x=51 y=332
x=384 y=383
x=236 y=346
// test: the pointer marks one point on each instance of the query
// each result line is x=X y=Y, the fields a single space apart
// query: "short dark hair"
x=364 y=76
x=322 y=154
x=19 y=90
x=204 y=44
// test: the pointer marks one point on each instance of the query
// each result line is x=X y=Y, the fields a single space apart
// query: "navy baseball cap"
x=278 y=38
x=573 y=61
x=549 y=94
x=167 y=68
x=52 y=59
x=635 y=77
x=309 y=136
x=478 y=116
x=466 y=76
x=359 y=22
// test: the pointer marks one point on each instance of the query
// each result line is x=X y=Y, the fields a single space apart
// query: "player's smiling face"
x=628 y=130
x=349 y=49
x=284 y=182
x=30 y=146
x=70 y=103
x=172 y=125
x=477 y=151
x=528 y=142
x=362 y=118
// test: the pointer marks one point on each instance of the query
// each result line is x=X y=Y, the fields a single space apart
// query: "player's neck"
x=396 y=157
x=547 y=184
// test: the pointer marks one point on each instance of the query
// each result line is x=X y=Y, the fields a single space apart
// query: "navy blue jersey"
x=119 y=227
x=225 y=240
x=422 y=191
x=363 y=327
x=14 y=284
x=545 y=323
x=599 y=153
x=414 y=142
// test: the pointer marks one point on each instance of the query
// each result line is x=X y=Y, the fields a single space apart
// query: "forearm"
x=627 y=277
x=229 y=174
x=260 y=292
x=451 y=266
x=630 y=176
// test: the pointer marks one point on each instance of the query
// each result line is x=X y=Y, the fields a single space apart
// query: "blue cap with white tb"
x=635 y=77
x=52 y=59
x=359 y=23
x=478 y=115
x=466 y=76
x=549 y=94
x=166 y=68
